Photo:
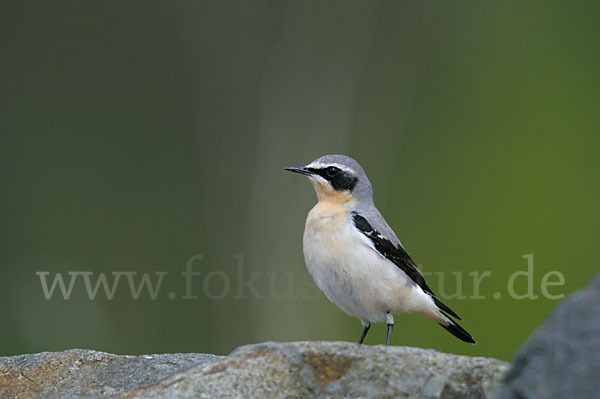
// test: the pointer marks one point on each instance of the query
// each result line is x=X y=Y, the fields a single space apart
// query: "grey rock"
x=87 y=374
x=562 y=357
x=268 y=370
x=334 y=370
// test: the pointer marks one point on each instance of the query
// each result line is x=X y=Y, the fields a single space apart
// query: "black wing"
x=398 y=256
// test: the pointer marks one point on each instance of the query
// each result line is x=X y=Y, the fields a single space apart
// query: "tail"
x=453 y=327
x=459 y=332
x=444 y=308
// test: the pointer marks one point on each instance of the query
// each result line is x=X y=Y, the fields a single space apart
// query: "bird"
x=355 y=258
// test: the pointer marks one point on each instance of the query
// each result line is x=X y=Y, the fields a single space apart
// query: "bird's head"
x=337 y=178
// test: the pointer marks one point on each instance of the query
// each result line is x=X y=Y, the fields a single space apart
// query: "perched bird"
x=356 y=259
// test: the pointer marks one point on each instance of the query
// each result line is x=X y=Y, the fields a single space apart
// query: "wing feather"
x=399 y=257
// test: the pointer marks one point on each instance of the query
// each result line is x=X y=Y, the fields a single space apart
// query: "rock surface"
x=87 y=374
x=562 y=357
x=290 y=370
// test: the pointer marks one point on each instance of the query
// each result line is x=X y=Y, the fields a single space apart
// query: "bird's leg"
x=389 y=319
x=366 y=327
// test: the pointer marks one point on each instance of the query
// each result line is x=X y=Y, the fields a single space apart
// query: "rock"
x=562 y=357
x=334 y=370
x=87 y=374
x=282 y=370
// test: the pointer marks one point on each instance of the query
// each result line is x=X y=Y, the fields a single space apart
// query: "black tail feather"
x=459 y=332
x=445 y=308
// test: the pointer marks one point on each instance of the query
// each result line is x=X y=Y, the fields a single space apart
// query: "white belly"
x=346 y=267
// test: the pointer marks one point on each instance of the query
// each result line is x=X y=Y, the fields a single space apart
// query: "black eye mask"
x=339 y=179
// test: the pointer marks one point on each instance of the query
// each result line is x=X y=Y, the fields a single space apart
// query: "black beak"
x=299 y=169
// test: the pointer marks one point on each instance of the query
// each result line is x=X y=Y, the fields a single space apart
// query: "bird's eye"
x=332 y=171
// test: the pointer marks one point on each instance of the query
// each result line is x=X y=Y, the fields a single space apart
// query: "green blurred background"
x=135 y=135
